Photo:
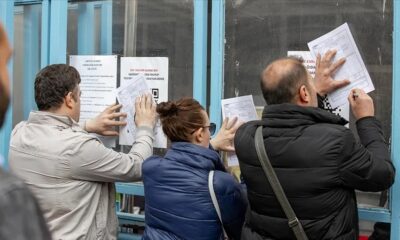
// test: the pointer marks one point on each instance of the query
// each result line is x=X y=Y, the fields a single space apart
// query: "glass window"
x=260 y=31
x=157 y=28
x=27 y=34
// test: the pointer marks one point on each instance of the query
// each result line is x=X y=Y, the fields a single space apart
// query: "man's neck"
x=61 y=111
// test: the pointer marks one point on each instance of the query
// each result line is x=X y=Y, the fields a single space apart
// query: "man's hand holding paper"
x=105 y=122
x=353 y=69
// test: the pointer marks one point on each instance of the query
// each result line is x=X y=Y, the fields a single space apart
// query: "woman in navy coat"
x=178 y=202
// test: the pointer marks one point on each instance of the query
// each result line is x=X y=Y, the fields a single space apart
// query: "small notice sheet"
x=98 y=84
x=243 y=108
x=150 y=75
x=341 y=40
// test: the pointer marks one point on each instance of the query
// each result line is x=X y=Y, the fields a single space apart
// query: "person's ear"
x=199 y=135
x=304 y=95
x=69 y=100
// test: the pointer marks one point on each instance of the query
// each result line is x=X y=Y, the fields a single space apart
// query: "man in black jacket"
x=317 y=160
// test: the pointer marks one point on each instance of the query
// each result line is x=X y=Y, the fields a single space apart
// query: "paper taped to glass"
x=341 y=40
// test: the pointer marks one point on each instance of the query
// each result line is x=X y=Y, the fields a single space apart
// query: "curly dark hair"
x=53 y=83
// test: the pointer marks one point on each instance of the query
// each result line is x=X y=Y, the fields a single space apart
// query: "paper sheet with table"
x=243 y=108
x=354 y=68
x=127 y=97
x=142 y=75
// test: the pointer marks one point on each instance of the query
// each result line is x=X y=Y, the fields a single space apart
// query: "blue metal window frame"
x=217 y=60
x=200 y=51
x=57 y=31
x=395 y=147
x=7 y=19
x=106 y=28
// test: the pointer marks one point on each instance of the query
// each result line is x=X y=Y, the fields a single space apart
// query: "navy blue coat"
x=178 y=203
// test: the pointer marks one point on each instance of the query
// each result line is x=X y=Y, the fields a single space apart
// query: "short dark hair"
x=53 y=83
x=287 y=83
x=180 y=118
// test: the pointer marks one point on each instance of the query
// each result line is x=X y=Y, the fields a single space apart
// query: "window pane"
x=157 y=28
x=27 y=33
x=260 y=31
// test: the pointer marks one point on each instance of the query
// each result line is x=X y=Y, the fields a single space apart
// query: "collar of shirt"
x=48 y=118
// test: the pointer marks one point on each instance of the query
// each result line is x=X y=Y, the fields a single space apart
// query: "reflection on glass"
x=157 y=28
x=27 y=33
x=259 y=31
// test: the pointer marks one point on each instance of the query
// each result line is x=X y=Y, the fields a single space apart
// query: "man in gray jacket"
x=70 y=171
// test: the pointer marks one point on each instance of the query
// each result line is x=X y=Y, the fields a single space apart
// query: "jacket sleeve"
x=366 y=166
x=232 y=202
x=95 y=162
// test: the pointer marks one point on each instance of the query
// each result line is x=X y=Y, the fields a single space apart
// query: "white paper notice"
x=309 y=63
x=155 y=73
x=98 y=84
x=127 y=96
x=243 y=108
x=354 y=68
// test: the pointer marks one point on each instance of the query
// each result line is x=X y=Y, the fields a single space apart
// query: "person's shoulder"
x=151 y=163
x=326 y=134
x=19 y=126
x=330 y=128
x=247 y=129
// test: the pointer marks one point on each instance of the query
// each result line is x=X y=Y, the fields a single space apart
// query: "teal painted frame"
x=57 y=44
x=106 y=28
x=45 y=36
x=395 y=144
x=7 y=19
x=86 y=29
x=200 y=51
x=217 y=60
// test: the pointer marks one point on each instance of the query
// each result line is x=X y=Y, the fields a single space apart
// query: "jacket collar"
x=47 y=118
x=195 y=156
x=287 y=115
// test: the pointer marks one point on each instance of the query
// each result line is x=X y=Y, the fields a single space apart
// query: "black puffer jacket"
x=319 y=164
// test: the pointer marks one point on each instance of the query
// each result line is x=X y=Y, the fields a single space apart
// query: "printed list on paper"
x=341 y=40
x=243 y=108
x=98 y=83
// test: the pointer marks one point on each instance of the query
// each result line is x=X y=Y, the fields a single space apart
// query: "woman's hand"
x=223 y=140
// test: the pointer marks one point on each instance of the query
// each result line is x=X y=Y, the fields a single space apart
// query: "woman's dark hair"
x=180 y=118
x=53 y=83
